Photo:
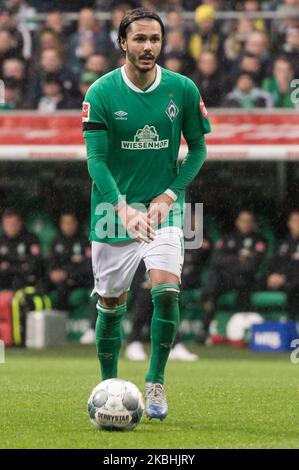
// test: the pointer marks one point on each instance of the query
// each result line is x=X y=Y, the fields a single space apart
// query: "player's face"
x=143 y=44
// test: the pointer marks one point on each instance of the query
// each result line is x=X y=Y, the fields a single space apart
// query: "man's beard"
x=134 y=59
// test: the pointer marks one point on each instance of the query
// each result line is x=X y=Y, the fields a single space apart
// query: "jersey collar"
x=135 y=88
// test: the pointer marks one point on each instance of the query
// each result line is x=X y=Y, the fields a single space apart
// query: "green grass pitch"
x=227 y=399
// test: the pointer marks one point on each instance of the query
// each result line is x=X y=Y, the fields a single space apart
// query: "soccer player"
x=133 y=118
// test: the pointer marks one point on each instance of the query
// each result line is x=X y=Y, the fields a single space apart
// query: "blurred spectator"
x=53 y=95
x=174 y=19
x=290 y=48
x=246 y=95
x=69 y=260
x=207 y=79
x=50 y=62
x=174 y=61
x=97 y=63
x=86 y=79
x=235 y=42
x=55 y=22
x=175 y=42
x=20 y=254
x=234 y=264
x=20 y=32
x=48 y=39
x=249 y=63
x=12 y=95
x=279 y=85
x=283 y=269
x=7 y=46
x=88 y=29
x=87 y=49
x=206 y=35
x=289 y=6
x=254 y=6
x=257 y=44
x=117 y=14
x=14 y=68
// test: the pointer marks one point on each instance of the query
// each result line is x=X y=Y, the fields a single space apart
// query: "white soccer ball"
x=115 y=404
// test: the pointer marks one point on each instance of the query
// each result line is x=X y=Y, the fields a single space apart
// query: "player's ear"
x=123 y=44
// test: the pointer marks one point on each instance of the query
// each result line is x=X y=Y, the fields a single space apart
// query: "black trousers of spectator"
x=292 y=291
x=13 y=280
x=142 y=315
x=293 y=303
x=63 y=289
x=218 y=282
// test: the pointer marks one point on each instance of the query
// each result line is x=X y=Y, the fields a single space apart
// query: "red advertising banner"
x=234 y=136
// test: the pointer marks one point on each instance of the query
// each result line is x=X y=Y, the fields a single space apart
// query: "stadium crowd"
x=48 y=61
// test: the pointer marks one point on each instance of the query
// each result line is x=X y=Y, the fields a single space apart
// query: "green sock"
x=164 y=326
x=108 y=338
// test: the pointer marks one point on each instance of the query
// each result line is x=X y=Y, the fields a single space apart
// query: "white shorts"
x=114 y=264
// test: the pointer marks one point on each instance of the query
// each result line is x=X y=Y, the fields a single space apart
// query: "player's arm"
x=95 y=133
x=195 y=125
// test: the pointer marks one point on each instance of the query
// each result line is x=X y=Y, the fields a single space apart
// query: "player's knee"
x=166 y=294
x=112 y=302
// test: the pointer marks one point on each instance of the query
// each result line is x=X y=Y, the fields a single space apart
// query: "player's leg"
x=108 y=333
x=114 y=265
x=164 y=326
x=165 y=321
x=163 y=258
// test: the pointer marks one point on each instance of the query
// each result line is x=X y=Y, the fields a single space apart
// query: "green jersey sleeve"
x=95 y=133
x=195 y=120
x=195 y=125
x=94 y=111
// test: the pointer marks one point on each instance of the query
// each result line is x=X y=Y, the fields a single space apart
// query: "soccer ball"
x=115 y=404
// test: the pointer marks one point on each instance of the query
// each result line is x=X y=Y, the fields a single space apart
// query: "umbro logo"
x=121 y=115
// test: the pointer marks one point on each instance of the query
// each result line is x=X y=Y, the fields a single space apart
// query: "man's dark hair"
x=291 y=212
x=11 y=212
x=135 y=15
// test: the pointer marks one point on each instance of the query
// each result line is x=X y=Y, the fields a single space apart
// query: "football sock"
x=108 y=338
x=164 y=326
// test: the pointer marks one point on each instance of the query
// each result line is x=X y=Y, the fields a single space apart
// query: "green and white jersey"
x=144 y=135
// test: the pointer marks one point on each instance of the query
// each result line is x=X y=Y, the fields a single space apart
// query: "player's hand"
x=275 y=281
x=137 y=224
x=159 y=208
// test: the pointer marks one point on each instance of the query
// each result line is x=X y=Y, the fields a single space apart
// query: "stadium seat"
x=268 y=299
x=228 y=300
x=79 y=297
